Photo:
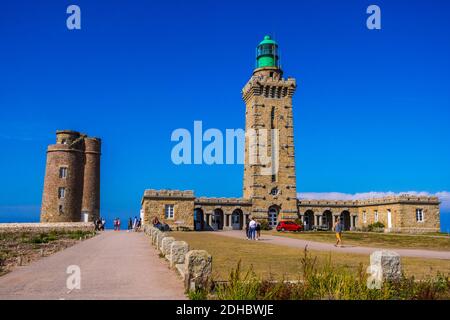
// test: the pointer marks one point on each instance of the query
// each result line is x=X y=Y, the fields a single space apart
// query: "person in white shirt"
x=252 y=226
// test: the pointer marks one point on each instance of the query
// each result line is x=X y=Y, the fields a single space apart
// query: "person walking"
x=139 y=224
x=252 y=226
x=118 y=224
x=130 y=225
x=103 y=224
x=258 y=230
x=247 y=230
x=135 y=222
x=338 y=227
x=115 y=224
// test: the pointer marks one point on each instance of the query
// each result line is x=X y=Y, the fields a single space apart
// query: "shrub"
x=265 y=225
x=375 y=227
x=199 y=294
x=239 y=286
x=298 y=221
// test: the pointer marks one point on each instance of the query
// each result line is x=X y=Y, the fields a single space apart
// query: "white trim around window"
x=420 y=217
x=169 y=211
x=61 y=193
x=62 y=172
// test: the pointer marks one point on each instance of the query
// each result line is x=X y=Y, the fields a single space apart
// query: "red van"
x=289 y=226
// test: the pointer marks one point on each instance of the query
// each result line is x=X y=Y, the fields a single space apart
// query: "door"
x=273 y=213
x=198 y=219
x=217 y=220
x=236 y=220
x=84 y=217
x=389 y=219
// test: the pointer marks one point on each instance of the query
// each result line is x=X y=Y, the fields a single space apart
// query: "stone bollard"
x=154 y=237
x=165 y=245
x=386 y=265
x=178 y=250
x=198 y=268
x=159 y=238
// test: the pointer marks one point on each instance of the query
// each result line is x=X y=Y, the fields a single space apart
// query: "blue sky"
x=371 y=110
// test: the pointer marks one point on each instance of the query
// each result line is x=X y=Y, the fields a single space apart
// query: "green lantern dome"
x=267 y=53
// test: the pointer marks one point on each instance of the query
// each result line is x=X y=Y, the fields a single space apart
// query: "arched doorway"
x=327 y=219
x=272 y=217
x=308 y=220
x=217 y=219
x=345 y=219
x=237 y=218
x=198 y=219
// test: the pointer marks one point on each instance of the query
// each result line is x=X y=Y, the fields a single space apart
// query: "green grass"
x=378 y=240
x=268 y=260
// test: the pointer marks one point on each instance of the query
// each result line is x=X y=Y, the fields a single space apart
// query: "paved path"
x=114 y=265
x=322 y=246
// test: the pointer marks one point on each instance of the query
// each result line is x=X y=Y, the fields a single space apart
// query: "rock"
x=198 y=267
x=160 y=235
x=155 y=236
x=178 y=250
x=387 y=263
x=165 y=245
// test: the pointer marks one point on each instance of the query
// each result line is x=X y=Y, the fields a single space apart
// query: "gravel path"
x=321 y=246
x=113 y=265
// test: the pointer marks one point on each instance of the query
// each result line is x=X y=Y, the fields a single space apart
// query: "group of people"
x=161 y=226
x=253 y=230
x=117 y=224
x=134 y=225
x=99 y=224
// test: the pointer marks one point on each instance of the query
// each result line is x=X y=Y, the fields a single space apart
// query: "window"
x=419 y=215
x=169 y=211
x=63 y=172
x=364 y=217
x=272 y=118
x=376 y=215
x=274 y=191
x=61 y=193
x=61 y=210
x=274 y=178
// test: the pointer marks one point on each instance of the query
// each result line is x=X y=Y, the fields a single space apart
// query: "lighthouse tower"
x=72 y=179
x=269 y=165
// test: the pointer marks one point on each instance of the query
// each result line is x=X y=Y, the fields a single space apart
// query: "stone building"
x=269 y=184
x=404 y=213
x=72 y=179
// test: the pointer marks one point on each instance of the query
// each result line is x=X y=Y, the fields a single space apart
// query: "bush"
x=298 y=221
x=265 y=225
x=199 y=294
x=375 y=227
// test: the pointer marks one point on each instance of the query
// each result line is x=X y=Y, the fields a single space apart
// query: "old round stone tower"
x=72 y=179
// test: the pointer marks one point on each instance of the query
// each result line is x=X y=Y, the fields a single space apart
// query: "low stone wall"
x=46 y=227
x=194 y=266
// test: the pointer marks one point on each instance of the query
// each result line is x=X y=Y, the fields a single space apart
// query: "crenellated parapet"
x=404 y=198
x=223 y=201
x=168 y=194
x=268 y=87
